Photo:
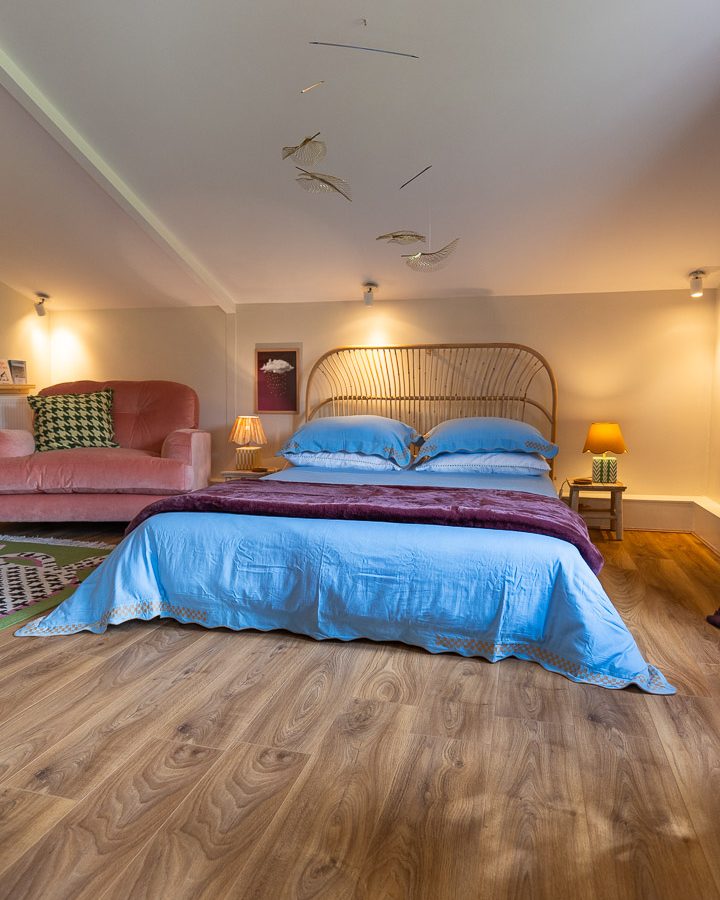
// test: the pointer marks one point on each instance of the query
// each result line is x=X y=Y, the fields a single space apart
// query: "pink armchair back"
x=144 y=412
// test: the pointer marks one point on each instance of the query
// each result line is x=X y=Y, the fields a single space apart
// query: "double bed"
x=477 y=591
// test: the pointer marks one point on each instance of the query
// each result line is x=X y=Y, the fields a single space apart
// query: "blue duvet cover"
x=472 y=591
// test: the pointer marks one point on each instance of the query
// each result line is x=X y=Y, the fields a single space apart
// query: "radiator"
x=15 y=413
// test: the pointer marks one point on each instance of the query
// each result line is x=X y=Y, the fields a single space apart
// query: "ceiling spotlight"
x=40 y=302
x=696 y=282
x=368 y=297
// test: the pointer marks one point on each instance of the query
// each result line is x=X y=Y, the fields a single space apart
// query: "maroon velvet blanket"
x=466 y=507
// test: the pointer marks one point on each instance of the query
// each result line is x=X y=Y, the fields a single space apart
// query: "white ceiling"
x=574 y=147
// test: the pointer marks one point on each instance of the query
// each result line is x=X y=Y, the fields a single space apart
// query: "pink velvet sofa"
x=161 y=452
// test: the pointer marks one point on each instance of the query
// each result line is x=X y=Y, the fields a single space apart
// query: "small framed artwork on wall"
x=276 y=380
x=18 y=370
x=5 y=373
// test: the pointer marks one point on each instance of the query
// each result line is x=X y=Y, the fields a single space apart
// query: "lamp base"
x=604 y=469
x=247 y=458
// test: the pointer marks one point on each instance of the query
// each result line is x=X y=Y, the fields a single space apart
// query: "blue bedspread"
x=472 y=591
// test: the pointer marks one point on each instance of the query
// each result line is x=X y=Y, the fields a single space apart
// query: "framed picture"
x=276 y=380
x=18 y=370
x=5 y=373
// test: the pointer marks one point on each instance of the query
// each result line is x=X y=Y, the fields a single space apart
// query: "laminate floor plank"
x=27 y=686
x=688 y=604
x=689 y=729
x=312 y=693
x=394 y=673
x=457 y=719
x=536 y=842
x=530 y=675
x=24 y=819
x=642 y=836
x=34 y=730
x=78 y=763
x=16 y=652
x=470 y=679
x=712 y=673
x=429 y=842
x=320 y=835
x=523 y=700
x=216 y=827
x=95 y=841
x=628 y=712
x=219 y=714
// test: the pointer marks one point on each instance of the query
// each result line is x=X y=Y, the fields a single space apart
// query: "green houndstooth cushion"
x=65 y=421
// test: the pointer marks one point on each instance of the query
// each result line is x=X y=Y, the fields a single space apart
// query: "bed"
x=475 y=591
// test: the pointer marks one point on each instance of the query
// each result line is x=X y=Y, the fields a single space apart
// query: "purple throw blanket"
x=465 y=507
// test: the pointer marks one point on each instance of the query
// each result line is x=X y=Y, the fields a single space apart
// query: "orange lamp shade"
x=604 y=437
x=248 y=432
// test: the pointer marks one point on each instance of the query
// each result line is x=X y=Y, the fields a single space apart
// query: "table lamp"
x=248 y=434
x=604 y=438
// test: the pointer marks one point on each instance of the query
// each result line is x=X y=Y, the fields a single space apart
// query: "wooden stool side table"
x=613 y=512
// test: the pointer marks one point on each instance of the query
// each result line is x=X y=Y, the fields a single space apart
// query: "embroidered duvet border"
x=496 y=651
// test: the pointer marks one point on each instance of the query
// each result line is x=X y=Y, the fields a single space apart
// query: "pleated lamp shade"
x=604 y=437
x=248 y=434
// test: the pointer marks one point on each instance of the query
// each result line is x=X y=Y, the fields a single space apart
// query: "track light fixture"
x=40 y=302
x=368 y=297
x=696 y=282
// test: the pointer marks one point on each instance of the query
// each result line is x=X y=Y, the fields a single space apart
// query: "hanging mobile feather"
x=402 y=237
x=316 y=181
x=308 y=152
x=430 y=262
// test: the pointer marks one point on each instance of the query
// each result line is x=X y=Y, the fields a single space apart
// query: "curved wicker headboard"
x=423 y=384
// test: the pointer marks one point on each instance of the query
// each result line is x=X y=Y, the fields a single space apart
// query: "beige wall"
x=642 y=359
x=645 y=359
x=713 y=482
x=24 y=335
x=186 y=345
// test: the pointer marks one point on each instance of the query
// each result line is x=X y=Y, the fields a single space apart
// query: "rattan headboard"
x=423 y=384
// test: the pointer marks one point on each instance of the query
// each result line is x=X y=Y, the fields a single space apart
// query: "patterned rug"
x=38 y=573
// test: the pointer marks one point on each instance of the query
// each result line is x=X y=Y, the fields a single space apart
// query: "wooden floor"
x=166 y=761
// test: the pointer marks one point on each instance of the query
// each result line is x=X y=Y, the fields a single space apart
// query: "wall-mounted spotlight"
x=696 y=282
x=40 y=302
x=368 y=297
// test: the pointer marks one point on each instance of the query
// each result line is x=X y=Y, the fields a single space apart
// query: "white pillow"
x=342 y=459
x=486 y=463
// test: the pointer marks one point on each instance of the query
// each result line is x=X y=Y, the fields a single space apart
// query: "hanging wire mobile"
x=402 y=237
x=431 y=261
x=308 y=151
x=315 y=182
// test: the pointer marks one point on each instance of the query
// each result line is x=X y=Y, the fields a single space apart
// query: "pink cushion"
x=144 y=412
x=94 y=470
x=15 y=442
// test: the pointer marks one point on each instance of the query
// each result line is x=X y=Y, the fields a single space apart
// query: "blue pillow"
x=485 y=434
x=371 y=435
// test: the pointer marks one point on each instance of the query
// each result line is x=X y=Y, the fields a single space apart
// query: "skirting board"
x=696 y=515
x=707 y=522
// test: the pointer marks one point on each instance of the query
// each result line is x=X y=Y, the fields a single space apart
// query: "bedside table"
x=592 y=515
x=234 y=474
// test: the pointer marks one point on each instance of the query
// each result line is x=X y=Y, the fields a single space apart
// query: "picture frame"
x=277 y=382
x=5 y=373
x=18 y=371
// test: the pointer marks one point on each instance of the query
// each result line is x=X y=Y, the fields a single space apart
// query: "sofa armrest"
x=16 y=442
x=191 y=447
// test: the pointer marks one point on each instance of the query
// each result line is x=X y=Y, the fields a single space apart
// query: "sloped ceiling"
x=574 y=147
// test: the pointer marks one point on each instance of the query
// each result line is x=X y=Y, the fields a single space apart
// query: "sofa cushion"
x=144 y=412
x=89 y=470
x=65 y=421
